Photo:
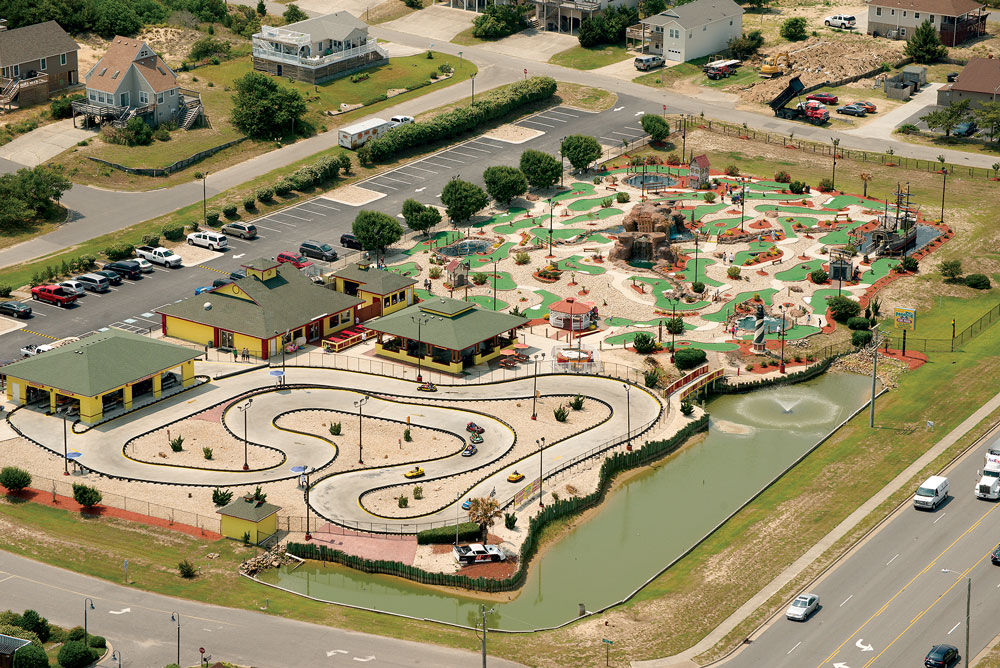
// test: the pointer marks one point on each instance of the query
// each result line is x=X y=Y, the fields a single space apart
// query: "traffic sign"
x=607 y=642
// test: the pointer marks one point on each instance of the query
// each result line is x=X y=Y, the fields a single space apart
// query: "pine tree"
x=925 y=46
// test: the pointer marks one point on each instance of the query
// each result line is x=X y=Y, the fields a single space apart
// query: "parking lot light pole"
x=541 y=447
x=968 y=607
x=472 y=78
x=65 y=446
x=534 y=393
x=833 y=178
x=308 y=535
x=551 y=210
x=420 y=320
x=244 y=409
x=88 y=603
x=175 y=617
x=628 y=415
x=562 y=162
x=204 y=198
x=359 y=404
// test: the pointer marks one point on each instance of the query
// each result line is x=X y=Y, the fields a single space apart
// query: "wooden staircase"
x=190 y=114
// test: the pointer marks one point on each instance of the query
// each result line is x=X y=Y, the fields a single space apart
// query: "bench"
x=778 y=261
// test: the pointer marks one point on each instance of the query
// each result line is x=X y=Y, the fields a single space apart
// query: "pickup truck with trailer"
x=988 y=486
x=53 y=294
x=811 y=111
x=354 y=136
x=477 y=553
x=159 y=255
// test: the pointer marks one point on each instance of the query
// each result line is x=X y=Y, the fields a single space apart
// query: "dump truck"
x=812 y=111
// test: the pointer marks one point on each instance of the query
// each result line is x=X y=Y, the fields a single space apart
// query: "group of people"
x=243 y=355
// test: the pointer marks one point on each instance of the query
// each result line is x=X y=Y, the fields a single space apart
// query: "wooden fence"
x=170 y=169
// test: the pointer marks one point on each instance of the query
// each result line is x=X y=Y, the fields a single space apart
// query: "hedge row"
x=722 y=387
x=466 y=531
x=612 y=466
x=493 y=105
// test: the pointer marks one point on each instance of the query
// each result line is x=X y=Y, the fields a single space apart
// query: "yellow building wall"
x=401 y=304
x=91 y=409
x=189 y=331
x=327 y=329
x=480 y=358
x=427 y=362
x=17 y=390
x=251 y=343
x=234 y=527
x=187 y=373
x=263 y=275
x=233 y=290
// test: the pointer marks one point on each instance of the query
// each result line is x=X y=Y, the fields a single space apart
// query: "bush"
x=265 y=194
x=794 y=29
x=509 y=520
x=151 y=240
x=18 y=632
x=85 y=495
x=75 y=654
x=861 y=338
x=561 y=414
x=797 y=187
x=733 y=272
x=186 y=569
x=173 y=232
x=14 y=479
x=212 y=218
x=687 y=407
x=444 y=535
x=732 y=170
x=229 y=211
x=978 y=281
x=250 y=203
x=479 y=278
x=207 y=47
x=221 y=497
x=622 y=197
x=31 y=656
x=951 y=269
x=689 y=358
x=435 y=272
x=651 y=377
x=119 y=251
x=656 y=127
x=521 y=258
x=407 y=436
x=335 y=429
x=284 y=187
x=782 y=177
x=842 y=308
x=207 y=452
x=908 y=129
x=162 y=134
x=818 y=276
x=76 y=634
x=63 y=107
x=403 y=501
x=576 y=403
x=97 y=641
x=606 y=202
x=709 y=197
x=698 y=287
x=644 y=343
x=857 y=324
x=825 y=185
x=498 y=21
x=32 y=621
x=177 y=444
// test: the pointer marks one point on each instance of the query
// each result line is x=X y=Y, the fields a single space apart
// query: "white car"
x=803 y=606
x=31 y=349
x=211 y=240
x=73 y=287
x=845 y=21
x=399 y=120
x=144 y=265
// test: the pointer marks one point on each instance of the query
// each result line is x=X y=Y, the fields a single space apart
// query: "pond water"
x=651 y=180
x=646 y=523
x=465 y=247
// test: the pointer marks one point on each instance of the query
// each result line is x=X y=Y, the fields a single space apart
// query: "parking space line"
x=315 y=213
x=291 y=215
x=442 y=157
x=429 y=171
x=624 y=134
x=382 y=185
x=629 y=127
x=544 y=125
x=396 y=180
x=609 y=138
x=281 y=222
x=412 y=176
x=482 y=141
x=325 y=206
x=269 y=229
x=465 y=155
x=558 y=120
x=473 y=148
x=561 y=113
x=434 y=164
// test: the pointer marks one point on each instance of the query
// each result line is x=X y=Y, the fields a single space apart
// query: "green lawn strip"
x=670 y=170
x=597 y=239
x=511 y=214
x=771 y=195
x=721 y=225
x=543 y=233
x=666 y=77
x=790 y=231
x=839 y=236
x=466 y=38
x=658 y=288
x=744 y=75
x=182 y=144
x=932 y=325
x=511 y=228
x=583 y=58
x=587 y=204
x=576 y=190
x=786 y=209
x=720 y=316
x=879 y=269
x=800 y=271
x=703 y=345
x=797 y=332
x=486 y=301
x=541 y=310
x=500 y=253
x=600 y=214
x=703 y=210
x=573 y=263
x=701 y=264
x=818 y=299
x=438 y=239
x=406 y=269
x=841 y=201
x=501 y=278
x=756 y=248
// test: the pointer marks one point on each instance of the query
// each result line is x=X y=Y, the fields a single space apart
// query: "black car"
x=113 y=277
x=995 y=556
x=236 y=275
x=317 y=250
x=941 y=656
x=125 y=268
x=350 y=241
x=16 y=309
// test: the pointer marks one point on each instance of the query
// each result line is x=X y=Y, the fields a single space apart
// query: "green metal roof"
x=287 y=301
x=377 y=281
x=10 y=644
x=465 y=328
x=100 y=362
x=249 y=510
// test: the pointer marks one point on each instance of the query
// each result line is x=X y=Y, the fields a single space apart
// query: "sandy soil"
x=513 y=134
x=200 y=432
x=353 y=195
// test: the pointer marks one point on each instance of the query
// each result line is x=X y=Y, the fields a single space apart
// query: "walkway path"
x=35 y=147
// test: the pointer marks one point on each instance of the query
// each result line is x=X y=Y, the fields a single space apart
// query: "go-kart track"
x=339 y=497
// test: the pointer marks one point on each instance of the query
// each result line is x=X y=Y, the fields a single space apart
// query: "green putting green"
x=656 y=322
x=797 y=332
x=586 y=204
x=504 y=281
x=779 y=196
x=880 y=268
x=511 y=228
x=818 y=299
x=406 y=269
x=662 y=169
x=848 y=200
x=756 y=248
x=839 y=237
x=576 y=190
x=680 y=197
x=804 y=220
x=511 y=214
x=597 y=239
x=786 y=209
x=540 y=310
x=704 y=345
x=723 y=224
x=720 y=316
x=800 y=271
x=658 y=289
x=543 y=234
x=600 y=214
x=573 y=263
x=486 y=301
x=700 y=275
x=500 y=253
x=439 y=239
x=703 y=210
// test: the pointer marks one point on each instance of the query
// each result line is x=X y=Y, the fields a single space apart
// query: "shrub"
x=818 y=276
x=498 y=21
x=265 y=194
x=909 y=263
x=908 y=129
x=282 y=188
x=334 y=429
x=212 y=218
x=794 y=29
x=221 y=497
x=651 y=377
x=857 y=323
x=951 y=269
x=861 y=338
x=733 y=272
x=177 y=444
x=76 y=633
x=606 y=202
x=31 y=656
x=479 y=278
x=207 y=452
x=162 y=134
x=825 y=185
x=698 y=287
x=173 y=232
x=797 y=187
x=561 y=414
x=782 y=177
x=97 y=641
x=229 y=211
x=519 y=258
x=119 y=251
x=418 y=492
x=689 y=358
x=75 y=654
x=151 y=240
x=18 y=632
x=978 y=281
x=709 y=197
x=14 y=479
x=32 y=621
x=576 y=403
x=434 y=272
x=842 y=308
x=732 y=170
x=250 y=203
x=5 y=290
x=407 y=436
x=85 y=495
x=186 y=569
x=644 y=343
x=403 y=501
x=444 y=535
x=622 y=197
x=687 y=407
x=509 y=520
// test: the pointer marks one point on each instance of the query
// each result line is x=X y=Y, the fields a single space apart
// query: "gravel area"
x=353 y=195
x=513 y=134
x=198 y=433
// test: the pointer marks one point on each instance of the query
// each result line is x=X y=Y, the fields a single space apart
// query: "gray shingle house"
x=35 y=61
x=683 y=33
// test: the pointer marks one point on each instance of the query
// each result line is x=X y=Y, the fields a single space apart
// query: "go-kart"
x=515 y=477
x=414 y=473
x=469 y=450
x=427 y=387
x=476 y=437
x=474 y=428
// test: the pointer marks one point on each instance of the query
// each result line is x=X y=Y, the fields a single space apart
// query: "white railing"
x=283 y=35
x=319 y=61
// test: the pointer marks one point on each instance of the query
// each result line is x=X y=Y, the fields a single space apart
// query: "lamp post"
x=243 y=409
x=175 y=617
x=673 y=303
x=562 y=162
x=743 y=201
x=65 y=445
x=833 y=178
x=541 y=446
x=782 y=367
x=204 y=198
x=551 y=210
x=282 y=342
x=472 y=78
x=534 y=393
x=968 y=608
x=308 y=535
x=684 y=137
x=495 y=279
x=420 y=320
x=116 y=654
x=628 y=415
x=944 y=182
x=88 y=603
x=460 y=60
x=359 y=404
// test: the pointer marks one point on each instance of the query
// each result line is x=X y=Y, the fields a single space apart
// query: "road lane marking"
x=954 y=627
x=793 y=648
x=939 y=518
x=846 y=600
x=892 y=560
x=834 y=653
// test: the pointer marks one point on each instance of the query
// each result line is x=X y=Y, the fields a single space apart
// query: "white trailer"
x=354 y=136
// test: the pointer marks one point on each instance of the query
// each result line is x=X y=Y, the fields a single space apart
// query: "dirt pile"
x=819 y=60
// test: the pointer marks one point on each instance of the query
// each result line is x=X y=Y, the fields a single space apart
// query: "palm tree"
x=865 y=178
x=484 y=512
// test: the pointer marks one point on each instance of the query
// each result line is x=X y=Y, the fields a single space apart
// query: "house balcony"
x=580 y=5
x=261 y=50
x=283 y=35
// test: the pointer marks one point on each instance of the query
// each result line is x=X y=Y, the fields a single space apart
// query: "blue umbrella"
x=299 y=469
x=74 y=455
x=277 y=373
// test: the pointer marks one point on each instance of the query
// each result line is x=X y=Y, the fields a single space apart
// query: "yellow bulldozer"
x=771 y=66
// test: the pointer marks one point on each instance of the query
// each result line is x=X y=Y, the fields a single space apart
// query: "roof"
x=286 y=301
x=696 y=13
x=100 y=362
x=336 y=26
x=571 y=306
x=370 y=124
x=250 y=511
x=456 y=264
x=261 y=264
x=109 y=71
x=980 y=75
x=941 y=7
x=376 y=281
x=701 y=161
x=10 y=644
x=467 y=327
x=41 y=40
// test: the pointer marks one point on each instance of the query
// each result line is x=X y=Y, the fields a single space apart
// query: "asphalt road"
x=131 y=305
x=889 y=602
x=138 y=624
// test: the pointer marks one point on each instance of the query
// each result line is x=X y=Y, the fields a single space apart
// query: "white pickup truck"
x=477 y=552
x=159 y=255
x=988 y=486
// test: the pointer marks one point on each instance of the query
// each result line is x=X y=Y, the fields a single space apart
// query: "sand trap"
x=513 y=134
x=353 y=195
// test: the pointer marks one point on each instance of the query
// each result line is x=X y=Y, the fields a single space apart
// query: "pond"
x=466 y=247
x=651 y=180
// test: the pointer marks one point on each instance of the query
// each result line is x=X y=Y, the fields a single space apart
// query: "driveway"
x=437 y=23
x=532 y=44
x=46 y=142
x=882 y=126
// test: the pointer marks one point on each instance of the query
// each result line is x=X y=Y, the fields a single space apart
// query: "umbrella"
x=74 y=455
x=521 y=346
x=277 y=373
x=508 y=351
x=299 y=469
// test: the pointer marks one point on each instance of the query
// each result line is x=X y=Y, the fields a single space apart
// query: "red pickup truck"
x=53 y=294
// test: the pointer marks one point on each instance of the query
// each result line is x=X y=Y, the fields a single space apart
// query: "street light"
x=282 y=342
x=551 y=209
x=204 y=198
x=359 y=404
x=968 y=608
x=243 y=409
x=541 y=446
x=534 y=393
x=472 y=78
x=420 y=320
x=833 y=179
x=782 y=367
x=628 y=415
x=65 y=443
x=944 y=182
x=116 y=654
x=684 y=135
x=176 y=617
x=87 y=603
x=743 y=201
x=308 y=535
x=673 y=303
x=562 y=162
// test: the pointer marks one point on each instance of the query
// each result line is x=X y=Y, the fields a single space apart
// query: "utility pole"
x=833 y=178
x=871 y=407
x=483 y=611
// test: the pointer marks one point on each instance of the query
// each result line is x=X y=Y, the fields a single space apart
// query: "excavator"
x=770 y=67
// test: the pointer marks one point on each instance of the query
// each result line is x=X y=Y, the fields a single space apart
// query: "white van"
x=647 y=62
x=930 y=494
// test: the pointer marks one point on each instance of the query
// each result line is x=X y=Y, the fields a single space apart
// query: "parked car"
x=647 y=62
x=144 y=265
x=803 y=606
x=129 y=269
x=16 y=309
x=203 y=289
x=94 y=282
x=840 y=21
x=157 y=255
x=396 y=121
x=941 y=656
x=219 y=282
x=317 y=250
x=416 y=472
x=53 y=294
x=293 y=259
x=852 y=110
x=966 y=129
x=237 y=275
x=241 y=230
x=719 y=72
x=32 y=349
x=476 y=553
x=867 y=106
x=113 y=277
x=211 y=240
x=350 y=241
x=825 y=98
x=73 y=287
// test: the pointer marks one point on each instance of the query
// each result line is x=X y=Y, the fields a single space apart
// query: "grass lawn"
x=967 y=144
x=667 y=76
x=585 y=97
x=390 y=10
x=466 y=38
x=581 y=58
x=744 y=75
